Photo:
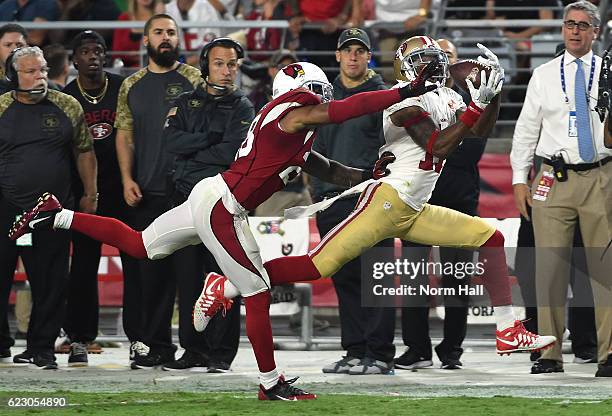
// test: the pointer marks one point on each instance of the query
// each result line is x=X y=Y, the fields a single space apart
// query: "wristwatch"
x=423 y=12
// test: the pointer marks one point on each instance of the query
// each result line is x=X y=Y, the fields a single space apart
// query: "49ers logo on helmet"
x=400 y=51
x=294 y=70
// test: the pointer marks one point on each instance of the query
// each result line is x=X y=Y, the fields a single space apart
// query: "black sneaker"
x=190 y=361
x=284 y=391
x=409 y=360
x=44 y=362
x=5 y=355
x=138 y=350
x=155 y=358
x=24 y=358
x=218 y=367
x=78 y=355
x=450 y=363
x=546 y=366
x=605 y=369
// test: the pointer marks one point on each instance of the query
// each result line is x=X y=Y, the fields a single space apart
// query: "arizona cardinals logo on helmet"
x=294 y=70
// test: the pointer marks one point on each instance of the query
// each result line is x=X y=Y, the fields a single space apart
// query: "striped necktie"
x=583 y=120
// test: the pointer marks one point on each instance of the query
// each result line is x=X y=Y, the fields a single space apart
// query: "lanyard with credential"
x=591 y=76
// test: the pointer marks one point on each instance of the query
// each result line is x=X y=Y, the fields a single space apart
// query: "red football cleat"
x=41 y=216
x=284 y=391
x=211 y=300
x=516 y=338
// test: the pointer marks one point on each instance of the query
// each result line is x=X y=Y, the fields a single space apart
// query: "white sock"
x=229 y=290
x=269 y=379
x=504 y=316
x=63 y=219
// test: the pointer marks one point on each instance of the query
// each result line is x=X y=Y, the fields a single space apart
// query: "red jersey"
x=269 y=157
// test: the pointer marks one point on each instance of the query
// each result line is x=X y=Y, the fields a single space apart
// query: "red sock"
x=110 y=231
x=495 y=277
x=259 y=330
x=284 y=270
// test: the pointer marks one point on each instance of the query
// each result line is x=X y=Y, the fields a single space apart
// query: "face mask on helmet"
x=322 y=89
x=302 y=75
x=414 y=54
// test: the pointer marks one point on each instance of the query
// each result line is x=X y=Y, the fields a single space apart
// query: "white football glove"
x=488 y=89
x=491 y=59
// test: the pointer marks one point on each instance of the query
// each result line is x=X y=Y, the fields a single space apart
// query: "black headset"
x=12 y=77
x=10 y=72
x=227 y=42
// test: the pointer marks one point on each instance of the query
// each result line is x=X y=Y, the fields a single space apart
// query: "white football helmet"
x=302 y=74
x=416 y=52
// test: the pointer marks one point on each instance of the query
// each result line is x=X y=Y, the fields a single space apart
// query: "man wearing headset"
x=41 y=132
x=203 y=132
x=144 y=100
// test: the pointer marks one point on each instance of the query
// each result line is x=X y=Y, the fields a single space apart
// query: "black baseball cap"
x=354 y=35
x=87 y=36
x=281 y=55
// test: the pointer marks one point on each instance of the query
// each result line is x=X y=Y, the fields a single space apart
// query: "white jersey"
x=414 y=172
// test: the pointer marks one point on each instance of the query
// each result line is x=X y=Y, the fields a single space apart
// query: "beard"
x=164 y=59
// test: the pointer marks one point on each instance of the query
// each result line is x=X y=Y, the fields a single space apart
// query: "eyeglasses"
x=582 y=26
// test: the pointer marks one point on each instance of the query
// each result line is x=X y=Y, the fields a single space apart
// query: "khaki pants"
x=585 y=197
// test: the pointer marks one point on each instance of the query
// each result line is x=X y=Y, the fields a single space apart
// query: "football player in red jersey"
x=277 y=147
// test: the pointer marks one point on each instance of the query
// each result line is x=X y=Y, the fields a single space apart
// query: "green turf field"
x=226 y=404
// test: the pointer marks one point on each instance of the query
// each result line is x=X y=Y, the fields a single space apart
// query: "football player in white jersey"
x=420 y=132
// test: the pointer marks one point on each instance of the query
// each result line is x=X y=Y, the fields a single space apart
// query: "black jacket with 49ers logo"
x=203 y=132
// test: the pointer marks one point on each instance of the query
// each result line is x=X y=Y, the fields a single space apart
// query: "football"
x=468 y=69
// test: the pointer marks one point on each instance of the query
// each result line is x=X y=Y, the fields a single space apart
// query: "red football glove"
x=380 y=167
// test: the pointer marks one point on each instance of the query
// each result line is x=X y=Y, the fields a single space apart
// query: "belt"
x=581 y=167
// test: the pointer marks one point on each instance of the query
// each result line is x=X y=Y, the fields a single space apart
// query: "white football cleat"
x=210 y=301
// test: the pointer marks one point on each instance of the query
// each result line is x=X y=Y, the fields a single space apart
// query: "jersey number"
x=247 y=144
x=430 y=163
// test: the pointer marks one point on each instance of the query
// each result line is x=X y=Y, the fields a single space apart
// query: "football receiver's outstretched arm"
x=423 y=130
x=356 y=105
x=440 y=143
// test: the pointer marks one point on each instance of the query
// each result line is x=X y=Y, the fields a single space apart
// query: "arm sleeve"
x=527 y=131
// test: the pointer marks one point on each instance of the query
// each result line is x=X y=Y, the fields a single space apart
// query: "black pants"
x=365 y=332
x=47 y=269
x=149 y=285
x=220 y=339
x=82 y=308
x=415 y=319
x=581 y=319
